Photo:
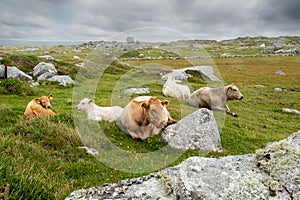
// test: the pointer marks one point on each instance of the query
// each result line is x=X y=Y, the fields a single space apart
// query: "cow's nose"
x=48 y=106
x=241 y=97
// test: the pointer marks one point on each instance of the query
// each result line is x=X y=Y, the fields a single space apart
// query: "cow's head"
x=171 y=77
x=44 y=101
x=233 y=93
x=84 y=104
x=156 y=112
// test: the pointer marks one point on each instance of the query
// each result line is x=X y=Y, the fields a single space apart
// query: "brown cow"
x=216 y=98
x=145 y=116
x=39 y=107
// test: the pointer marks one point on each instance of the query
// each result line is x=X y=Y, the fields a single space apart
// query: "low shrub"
x=14 y=86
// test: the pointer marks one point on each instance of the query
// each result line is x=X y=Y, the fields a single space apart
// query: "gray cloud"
x=99 y=19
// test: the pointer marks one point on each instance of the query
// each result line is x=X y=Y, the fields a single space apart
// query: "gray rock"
x=62 y=79
x=278 y=89
x=180 y=74
x=35 y=84
x=289 y=110
x=278 y=45
x=45 y=76
x=47 y=58
x=130 y=40
x=90 y=150
x=198 y=130
x=14 y=72
x=225 y=55
x=138 y=90
x=280 y=73
x=43 y=68
x=206 y=71
x=271 y=173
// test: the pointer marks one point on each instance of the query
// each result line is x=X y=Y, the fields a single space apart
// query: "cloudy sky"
x=86 y=20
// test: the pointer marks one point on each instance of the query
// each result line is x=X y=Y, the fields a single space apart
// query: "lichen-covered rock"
x=138 y=90
x=281 y=161
x=198 y=130
x=271 y=173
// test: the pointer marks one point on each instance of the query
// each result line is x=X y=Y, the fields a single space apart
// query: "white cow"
x=172 y=89
x=98 y=113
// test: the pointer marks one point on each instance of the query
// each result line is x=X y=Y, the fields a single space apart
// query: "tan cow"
x=145 y=116
x=39 y=107
x=216 y=98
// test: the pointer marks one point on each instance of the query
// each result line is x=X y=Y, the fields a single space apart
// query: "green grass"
x=40 y=158
x=24 y=62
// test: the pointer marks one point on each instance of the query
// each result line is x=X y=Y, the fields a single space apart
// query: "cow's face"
x=156 y=112
x=44 y=101
x=84 y=104
x=233 y=93
x=171 y=78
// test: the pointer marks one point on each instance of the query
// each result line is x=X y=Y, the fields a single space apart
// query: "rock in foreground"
x=198 y=130
x=272 y=173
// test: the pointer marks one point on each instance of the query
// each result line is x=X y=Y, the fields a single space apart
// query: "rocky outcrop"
x=14 y=72
x=207 y=72
x=271 y=173
x=43 y=71
x=47 y=72
x=198 y=130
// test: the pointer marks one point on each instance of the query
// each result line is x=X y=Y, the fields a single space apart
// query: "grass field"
x=40 y=158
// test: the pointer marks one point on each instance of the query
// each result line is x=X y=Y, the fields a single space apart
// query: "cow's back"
x=199 y=97
x=28 y=111
x=132 y=111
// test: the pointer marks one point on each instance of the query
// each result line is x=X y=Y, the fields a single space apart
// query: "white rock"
x=289 y=110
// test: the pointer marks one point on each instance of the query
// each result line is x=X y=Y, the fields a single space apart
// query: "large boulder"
x=271 y=173
x=207 y=72
x=14 y=72
x=44 y=71
x=198 y=130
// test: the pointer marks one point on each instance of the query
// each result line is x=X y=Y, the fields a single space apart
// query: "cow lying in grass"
x=145 y=116
x=175 y=90
x=39 y=107
x=98 y=113
x=215 y=98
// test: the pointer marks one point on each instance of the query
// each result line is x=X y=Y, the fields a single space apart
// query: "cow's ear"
x=37 y=100
x=165 y=103
x=90 y=102
x=50 y=96
x=145 y=106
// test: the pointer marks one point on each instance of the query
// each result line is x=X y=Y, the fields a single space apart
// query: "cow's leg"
x=231 y=113
x=171 y=120
x=133 y=135
x=219 y=109
x=35 y=113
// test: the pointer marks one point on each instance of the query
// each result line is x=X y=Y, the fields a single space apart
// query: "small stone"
x=278 y=89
